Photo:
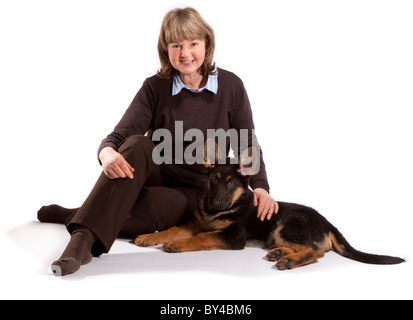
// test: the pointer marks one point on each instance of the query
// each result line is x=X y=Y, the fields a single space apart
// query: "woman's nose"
x=185 y=52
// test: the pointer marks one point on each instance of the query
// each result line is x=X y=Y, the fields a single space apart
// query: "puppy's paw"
x=277 y=253
x=285 y=264
x=172 y=247
x=148 y=240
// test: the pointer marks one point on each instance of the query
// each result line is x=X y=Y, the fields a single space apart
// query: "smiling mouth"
x=187 y=61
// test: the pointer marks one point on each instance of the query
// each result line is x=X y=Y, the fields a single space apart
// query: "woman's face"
x=187 y=56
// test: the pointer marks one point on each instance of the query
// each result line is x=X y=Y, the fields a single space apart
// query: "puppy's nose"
x=218 y=203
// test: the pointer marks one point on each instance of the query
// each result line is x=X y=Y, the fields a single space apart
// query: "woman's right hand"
x=114 y=164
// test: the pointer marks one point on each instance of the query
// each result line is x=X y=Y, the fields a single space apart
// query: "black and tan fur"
x=227 y=219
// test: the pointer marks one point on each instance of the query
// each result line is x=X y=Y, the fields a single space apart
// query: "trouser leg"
x=111 y=201
x=159 y=208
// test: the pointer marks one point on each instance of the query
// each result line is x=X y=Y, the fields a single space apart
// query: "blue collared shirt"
x=211 y=85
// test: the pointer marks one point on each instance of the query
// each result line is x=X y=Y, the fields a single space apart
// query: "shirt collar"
x=211 y=85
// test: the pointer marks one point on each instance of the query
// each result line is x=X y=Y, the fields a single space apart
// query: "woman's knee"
x=136 y=145
x=136 y=141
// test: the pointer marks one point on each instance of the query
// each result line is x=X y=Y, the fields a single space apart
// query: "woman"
x=135 y=194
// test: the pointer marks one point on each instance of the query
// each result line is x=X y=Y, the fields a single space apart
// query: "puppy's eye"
x=214 y=180
x=230 y=183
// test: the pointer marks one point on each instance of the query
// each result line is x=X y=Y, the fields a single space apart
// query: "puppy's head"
x=228 y=182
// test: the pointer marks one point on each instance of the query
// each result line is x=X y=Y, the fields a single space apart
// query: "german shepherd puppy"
x=227 y=218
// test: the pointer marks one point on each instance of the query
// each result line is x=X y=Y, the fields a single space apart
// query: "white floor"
x=130 y=272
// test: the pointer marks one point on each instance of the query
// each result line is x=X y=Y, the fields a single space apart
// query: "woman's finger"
x=271 y=211
x=126 y=169
x=277 y=207
x=110 y=174
x=267 y=208
x=119 y=172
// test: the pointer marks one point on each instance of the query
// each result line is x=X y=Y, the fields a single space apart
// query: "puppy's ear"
x=212 y=154
x=249 y=162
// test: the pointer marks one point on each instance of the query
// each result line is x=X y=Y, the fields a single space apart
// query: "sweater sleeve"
x=136 y=120
x=242 y=118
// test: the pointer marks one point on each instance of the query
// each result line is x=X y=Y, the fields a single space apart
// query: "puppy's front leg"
x=202 y=241
x=187 y=230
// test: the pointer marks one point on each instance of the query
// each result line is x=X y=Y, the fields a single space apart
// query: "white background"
x=330 y=84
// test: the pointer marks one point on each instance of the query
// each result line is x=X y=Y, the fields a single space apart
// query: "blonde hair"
x=185 y=24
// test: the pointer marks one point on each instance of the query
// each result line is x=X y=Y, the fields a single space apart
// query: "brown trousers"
x=152 y=201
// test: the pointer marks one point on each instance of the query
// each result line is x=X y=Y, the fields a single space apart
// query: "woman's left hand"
x=267 y=206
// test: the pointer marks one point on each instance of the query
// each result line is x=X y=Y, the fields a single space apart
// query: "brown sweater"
x=154 y=108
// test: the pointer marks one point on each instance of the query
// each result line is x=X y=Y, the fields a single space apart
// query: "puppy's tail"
x=342 y=247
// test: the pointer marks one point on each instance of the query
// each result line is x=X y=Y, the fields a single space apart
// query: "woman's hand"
x=114 y=164
x=267 y=206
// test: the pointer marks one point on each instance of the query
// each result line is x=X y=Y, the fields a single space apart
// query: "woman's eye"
x=194 y=44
